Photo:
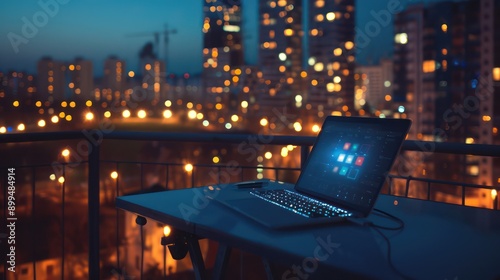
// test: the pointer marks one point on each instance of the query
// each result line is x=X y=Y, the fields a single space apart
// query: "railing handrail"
x=235 y=138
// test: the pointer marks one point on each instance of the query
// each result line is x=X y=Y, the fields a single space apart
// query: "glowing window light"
x=192 y=114
x=228 y=126
x=337 y=79
x=268 y=155
x=168 y=103
x=337 y=51
x=68 y=118
x=264 y=122
x=114 y=174
x=199 y=116
x=166 y=231
x=126 y=114
x=141 y=114
x=52 y=177
x=21 y=127
x=65 y=153
x=88 y=103
x=330 y=16
x=188 y=167
x=297 y=126
x=15 y=103
x=284 y=152
x=244 y=104
x=107 y=114
x=319 y=67
x=235 y=118
x=215 y=159
x=282 y=56
x=349 y=45
x=89 y=116
x=167 y=114
x=298 y=98
x=72 y=104
x=401 y=38
x=206 y=123
x=61 y=179
x=444 y=27
x=316 y=128
x=54 y=119
x=41 y=123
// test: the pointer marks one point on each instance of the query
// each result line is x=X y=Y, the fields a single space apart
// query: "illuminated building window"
x=314 y=32
x=318 y=66
x=496 y=74
x=473 y=170
x=486 y=118
x=288 y=32
x=320 y=17
x=401 y=38
x=337 y=51
x=349 y=45
x=444 y=27
x=429 y=66
x=330 y=16
x=319 y=3
x=444 y=51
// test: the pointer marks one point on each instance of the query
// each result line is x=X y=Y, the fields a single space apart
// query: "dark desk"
x=439 y=241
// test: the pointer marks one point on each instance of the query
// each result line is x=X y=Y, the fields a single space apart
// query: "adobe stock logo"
x=39 y=19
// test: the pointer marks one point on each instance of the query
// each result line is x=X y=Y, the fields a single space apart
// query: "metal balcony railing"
x=90 y=145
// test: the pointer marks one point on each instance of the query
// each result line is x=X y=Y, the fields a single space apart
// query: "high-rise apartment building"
x=114 y=80
x=374 y=86
x=81 y=79
x=222 y=56
x=280 y=53
x=444 y=69
x=153 y=80
x=331 y=56
x=51 y=79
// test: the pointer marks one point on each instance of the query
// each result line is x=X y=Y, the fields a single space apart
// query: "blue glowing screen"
x=351 y=158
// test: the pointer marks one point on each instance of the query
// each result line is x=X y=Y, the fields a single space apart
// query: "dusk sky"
x=94 y=30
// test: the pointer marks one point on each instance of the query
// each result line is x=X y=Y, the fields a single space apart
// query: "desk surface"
x=439 y=241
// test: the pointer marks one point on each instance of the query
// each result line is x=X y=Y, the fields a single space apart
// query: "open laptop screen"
x=351 y=158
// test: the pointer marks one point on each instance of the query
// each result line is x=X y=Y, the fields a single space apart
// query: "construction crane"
x=157 y=40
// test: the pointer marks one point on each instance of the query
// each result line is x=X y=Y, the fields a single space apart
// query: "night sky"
x=94 y=30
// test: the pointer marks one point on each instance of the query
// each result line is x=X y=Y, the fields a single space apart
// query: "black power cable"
x=378 y=228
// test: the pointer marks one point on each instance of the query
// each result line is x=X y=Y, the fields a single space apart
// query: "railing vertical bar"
x=276 y=174
x=192 y=178
x=407 y=186
x=463 y=195
x=167 y=176
x=389 y=185
x=428 y=190
x=93 y=209
x=218 y=174
x=142 y=176
x=304 y=153
x=118 y=267
x=33 y=229
x=63 y=196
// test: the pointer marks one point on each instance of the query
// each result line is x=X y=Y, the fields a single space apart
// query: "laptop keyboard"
x=300 y=204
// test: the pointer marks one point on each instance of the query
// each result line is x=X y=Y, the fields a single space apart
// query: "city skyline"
x=65 y=30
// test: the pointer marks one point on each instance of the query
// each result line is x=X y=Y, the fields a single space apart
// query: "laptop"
x=341 y=179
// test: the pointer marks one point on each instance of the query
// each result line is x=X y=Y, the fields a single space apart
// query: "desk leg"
x=196 y=258
x=223 y=253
